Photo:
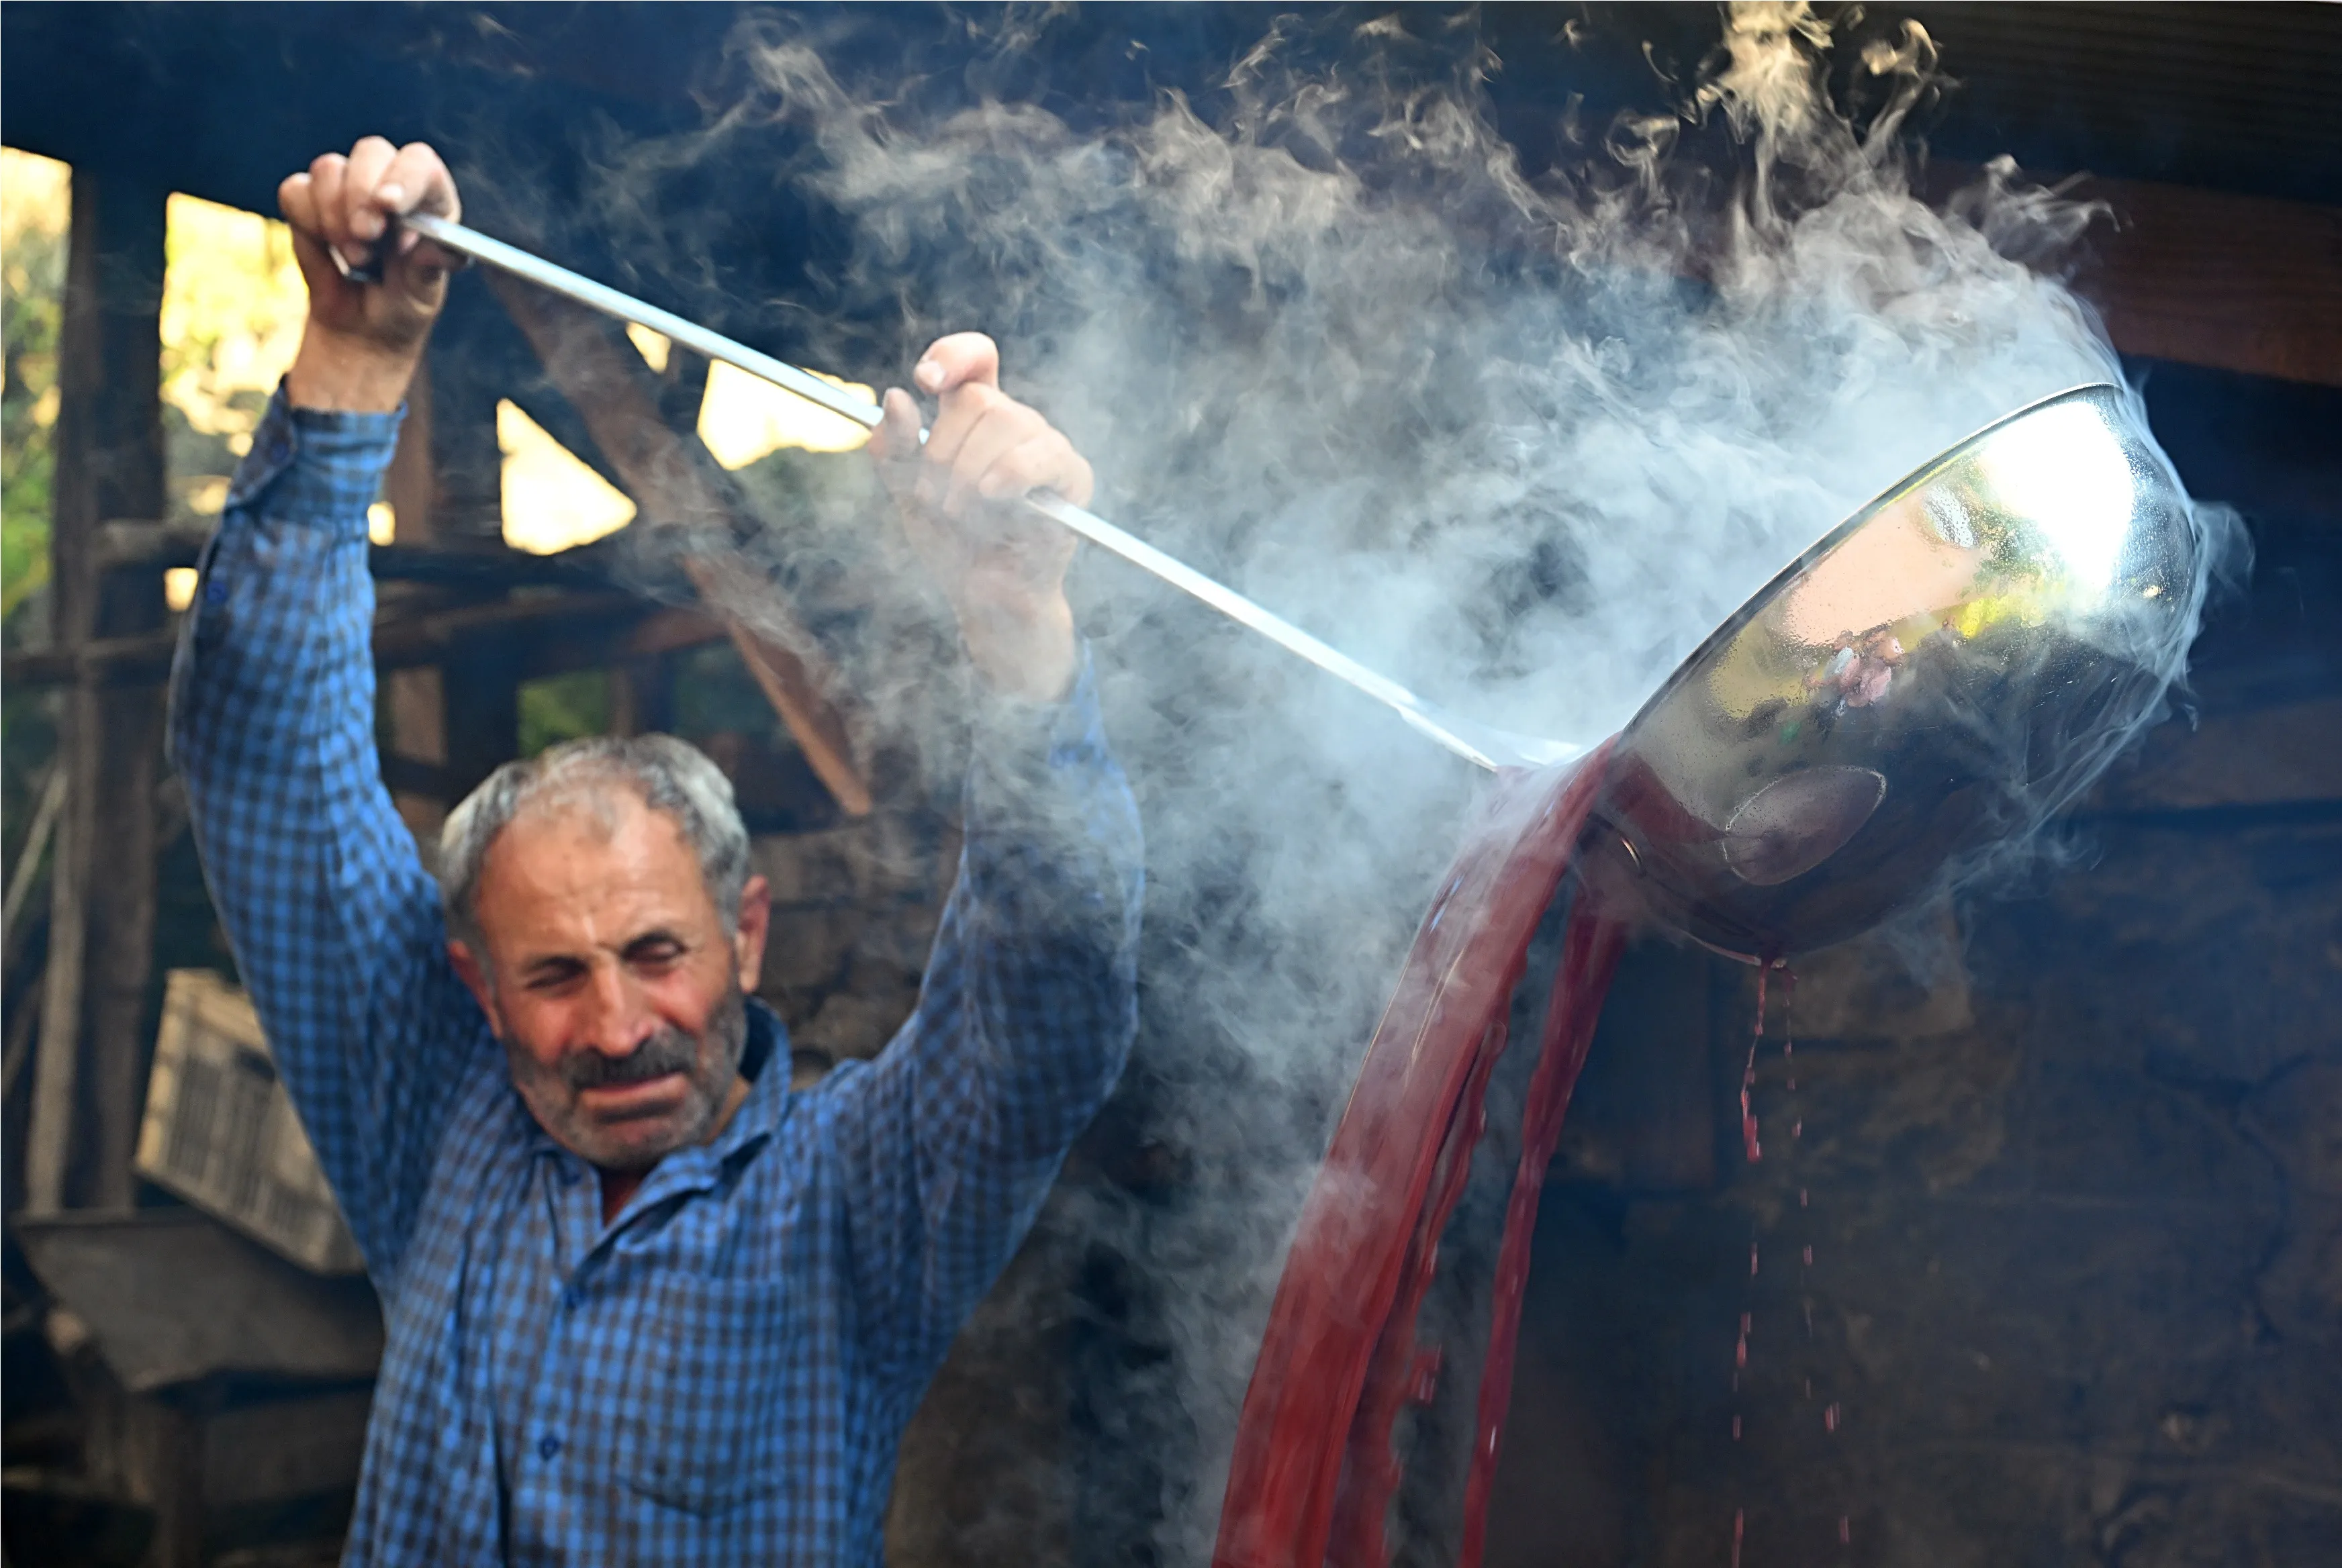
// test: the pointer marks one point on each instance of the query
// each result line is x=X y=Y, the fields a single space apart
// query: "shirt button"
x=548 y=1446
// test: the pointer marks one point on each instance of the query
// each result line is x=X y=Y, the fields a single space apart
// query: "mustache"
x=668 y=1051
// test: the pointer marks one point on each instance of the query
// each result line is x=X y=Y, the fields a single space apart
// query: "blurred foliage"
x=34 y=212
x=34 y=195
x=233 y=305
x=563 y=708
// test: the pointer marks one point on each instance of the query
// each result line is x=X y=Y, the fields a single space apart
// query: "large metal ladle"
x=1933 y=677
x=1478 y=744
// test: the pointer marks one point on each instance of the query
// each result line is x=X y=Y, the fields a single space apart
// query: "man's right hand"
x=362 y=339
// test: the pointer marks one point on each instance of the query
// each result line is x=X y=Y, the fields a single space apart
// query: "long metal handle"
x=1478 y=743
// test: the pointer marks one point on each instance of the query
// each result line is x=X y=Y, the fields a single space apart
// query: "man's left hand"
x=1002 y=567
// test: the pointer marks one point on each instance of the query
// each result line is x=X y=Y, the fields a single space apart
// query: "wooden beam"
x=670 y=475
x=411 y=484
x=87 y=1086
x=574 y=632
x=2206 y=277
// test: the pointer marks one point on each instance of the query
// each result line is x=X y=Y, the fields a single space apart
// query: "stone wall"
x=854 y=908
x=2074 y=1196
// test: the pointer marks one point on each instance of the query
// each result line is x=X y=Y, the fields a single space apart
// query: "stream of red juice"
x=1833 y=1412
x=1314 y=1469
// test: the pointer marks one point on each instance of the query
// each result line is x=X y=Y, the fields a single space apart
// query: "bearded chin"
x=715 y=1062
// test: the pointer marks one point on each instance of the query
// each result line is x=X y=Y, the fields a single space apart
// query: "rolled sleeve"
x=321 y=465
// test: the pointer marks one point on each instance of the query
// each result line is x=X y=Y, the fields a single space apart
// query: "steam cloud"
x=1520 y=443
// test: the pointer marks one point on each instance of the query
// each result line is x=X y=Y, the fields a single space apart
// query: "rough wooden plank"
x=2251 y=285
x=176 y=1457
x=410 y=484
x=2205 y=277
x=25 y=873
x=173 y=1296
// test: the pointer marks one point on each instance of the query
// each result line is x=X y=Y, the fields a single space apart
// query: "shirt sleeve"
x=335 y=924
x=950 y=1140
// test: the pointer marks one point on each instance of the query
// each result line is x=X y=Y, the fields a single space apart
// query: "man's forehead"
x=606 y=848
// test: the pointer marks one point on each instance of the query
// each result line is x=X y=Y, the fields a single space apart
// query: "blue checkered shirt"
x=722 y=1374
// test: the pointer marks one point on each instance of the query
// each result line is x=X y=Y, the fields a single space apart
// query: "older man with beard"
x=646 y=1303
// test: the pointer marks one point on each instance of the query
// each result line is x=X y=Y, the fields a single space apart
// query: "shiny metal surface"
x=1480 y=744
x=1939 y=672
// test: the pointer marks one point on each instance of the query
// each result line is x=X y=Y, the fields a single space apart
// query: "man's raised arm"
x=951 y=1139
x=335 y=924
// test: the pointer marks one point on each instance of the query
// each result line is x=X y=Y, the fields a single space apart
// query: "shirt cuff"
x=317 y=465
x=1024 y=738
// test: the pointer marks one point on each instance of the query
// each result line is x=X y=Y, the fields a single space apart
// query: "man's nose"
x=616 y=1022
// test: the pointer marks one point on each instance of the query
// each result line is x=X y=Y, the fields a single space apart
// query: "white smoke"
x=1519 y=442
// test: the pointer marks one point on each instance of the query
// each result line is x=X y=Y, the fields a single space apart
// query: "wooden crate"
x=220 y=1131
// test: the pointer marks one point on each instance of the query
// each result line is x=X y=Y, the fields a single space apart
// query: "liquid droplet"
x=1735 y=1429
x=1750 y=1143
x=1829 y=1417
x=1809 y=1246
x=1738 y=1521
x=1844 y=1530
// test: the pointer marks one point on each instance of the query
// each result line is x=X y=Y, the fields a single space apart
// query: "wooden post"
x=173 y=1426
x=669 y=476
x=411 y=485
x=468 y=721
x=458 y=379
x=87 y=1087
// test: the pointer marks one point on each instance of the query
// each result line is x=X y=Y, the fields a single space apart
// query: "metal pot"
x=1942 y=671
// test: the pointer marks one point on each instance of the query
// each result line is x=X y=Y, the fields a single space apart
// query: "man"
x=644 y=1303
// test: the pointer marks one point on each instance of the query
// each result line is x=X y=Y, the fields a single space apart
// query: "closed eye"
x=655 y=950
x=553 y=974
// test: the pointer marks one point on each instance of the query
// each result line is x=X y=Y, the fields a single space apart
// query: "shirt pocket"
x=708 y=1393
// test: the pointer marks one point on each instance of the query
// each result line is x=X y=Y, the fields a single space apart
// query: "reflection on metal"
x=1940 y=672
x=1795 y=824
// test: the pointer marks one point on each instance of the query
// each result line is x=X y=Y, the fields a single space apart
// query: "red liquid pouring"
x=1832 y=1413
x=1314 y=1470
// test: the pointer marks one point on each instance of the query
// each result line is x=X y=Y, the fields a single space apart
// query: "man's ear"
x=755 y=924
x=475 y=975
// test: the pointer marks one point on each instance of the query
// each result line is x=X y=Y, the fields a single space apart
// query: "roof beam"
x=2235 y=283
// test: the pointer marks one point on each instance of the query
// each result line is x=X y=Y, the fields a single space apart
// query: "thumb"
x=961 y=359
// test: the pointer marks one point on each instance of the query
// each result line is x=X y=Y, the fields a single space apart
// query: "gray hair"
x=669 y=775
